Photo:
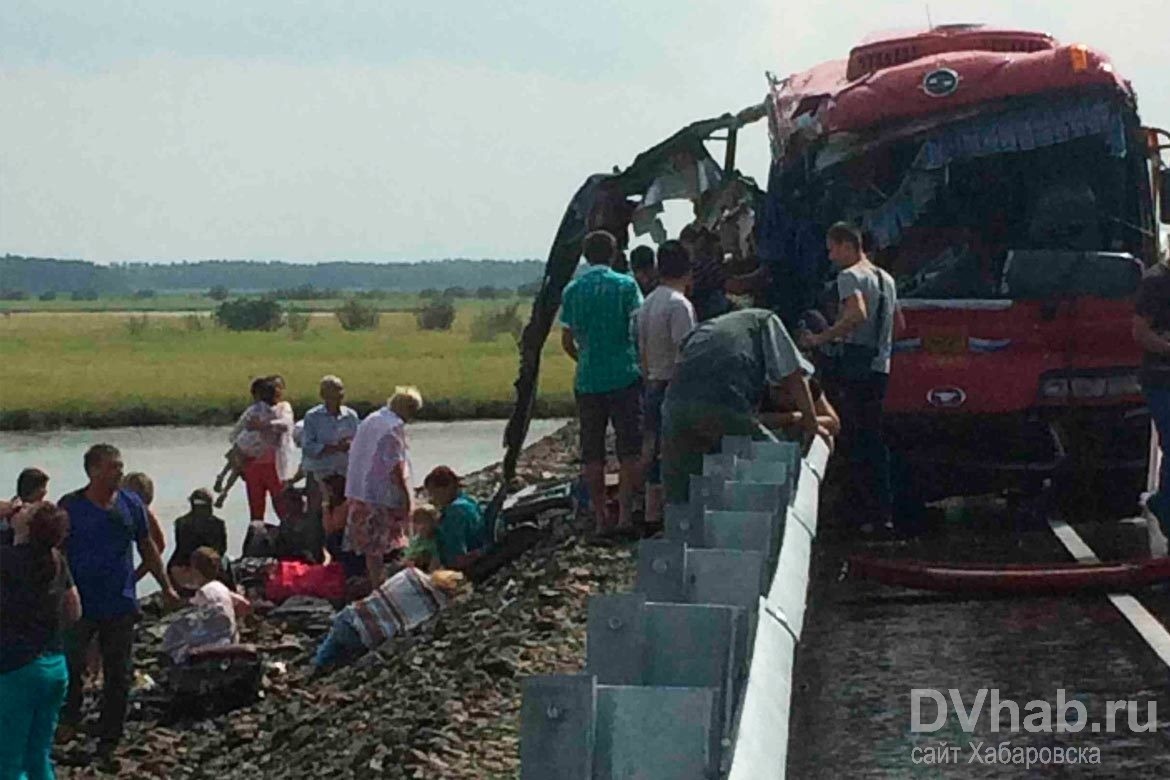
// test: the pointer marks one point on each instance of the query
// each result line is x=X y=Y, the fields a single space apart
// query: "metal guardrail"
x=690 y=676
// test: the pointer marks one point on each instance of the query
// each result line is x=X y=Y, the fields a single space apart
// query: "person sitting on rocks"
x=334 y=509
x=299 y=536
x=210 y=620
x=212 y=592
x=404 y=601
x=198 y=528
x=462 y=535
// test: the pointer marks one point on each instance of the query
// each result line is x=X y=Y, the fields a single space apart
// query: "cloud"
x=401 y=130
x=171 y=159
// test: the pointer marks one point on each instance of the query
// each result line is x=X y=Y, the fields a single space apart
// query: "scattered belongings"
x=535 y=499
x=294 y=578
x=193 y=628
x=309 y=614
x=214 y=680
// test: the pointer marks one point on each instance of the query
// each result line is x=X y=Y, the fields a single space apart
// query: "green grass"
x=96 y=370
x=199 y=302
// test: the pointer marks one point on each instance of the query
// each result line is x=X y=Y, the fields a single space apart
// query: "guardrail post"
x=734 y=577
x=616 y=638
x=661 y=570
x=558 y=716
x=695 y=645
x=685 y=523
x=759 y=531
x=654 y=733
x=771 y=497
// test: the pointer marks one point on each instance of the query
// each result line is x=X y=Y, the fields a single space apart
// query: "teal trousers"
x=30 y=700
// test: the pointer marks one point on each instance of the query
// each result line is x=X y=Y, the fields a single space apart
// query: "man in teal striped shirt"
x=596 y=318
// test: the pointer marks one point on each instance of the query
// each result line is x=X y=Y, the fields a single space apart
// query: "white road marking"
x=1147 y=626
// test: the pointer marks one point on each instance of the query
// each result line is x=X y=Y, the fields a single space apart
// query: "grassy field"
x=118 y=369
x=199 y=302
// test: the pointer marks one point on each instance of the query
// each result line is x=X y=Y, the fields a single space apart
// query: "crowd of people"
x=662 y=354
x=667 y=358
x=68 y=579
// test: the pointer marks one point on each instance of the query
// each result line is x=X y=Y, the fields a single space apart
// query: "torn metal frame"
x=565 y=253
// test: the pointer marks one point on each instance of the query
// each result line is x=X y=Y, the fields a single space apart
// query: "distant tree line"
x=31 y=277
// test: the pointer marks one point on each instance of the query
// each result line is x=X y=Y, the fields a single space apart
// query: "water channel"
x=180 y=459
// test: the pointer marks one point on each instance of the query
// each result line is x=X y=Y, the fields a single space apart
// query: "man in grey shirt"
x=868 y=313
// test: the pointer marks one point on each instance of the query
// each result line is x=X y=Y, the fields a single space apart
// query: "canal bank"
x=180 y=459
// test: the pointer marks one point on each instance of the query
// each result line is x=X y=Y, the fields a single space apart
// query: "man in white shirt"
x=664 y=320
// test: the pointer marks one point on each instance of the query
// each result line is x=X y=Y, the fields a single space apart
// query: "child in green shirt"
x=423 y=550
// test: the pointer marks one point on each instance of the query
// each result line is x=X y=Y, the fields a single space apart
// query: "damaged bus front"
x=1007 y=183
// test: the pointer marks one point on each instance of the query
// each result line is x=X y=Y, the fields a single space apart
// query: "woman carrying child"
x=249 y=445
x=262 y=441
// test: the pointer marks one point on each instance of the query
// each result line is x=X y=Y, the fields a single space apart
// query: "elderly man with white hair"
x=329 y=428
x=377 y=483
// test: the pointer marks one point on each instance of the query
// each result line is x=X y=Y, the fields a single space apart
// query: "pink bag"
x=294 y=578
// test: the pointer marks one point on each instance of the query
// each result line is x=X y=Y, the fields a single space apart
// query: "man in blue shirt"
x=597 y=332
x=105 y=523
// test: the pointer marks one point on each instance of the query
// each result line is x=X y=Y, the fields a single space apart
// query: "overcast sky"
x=398 y=129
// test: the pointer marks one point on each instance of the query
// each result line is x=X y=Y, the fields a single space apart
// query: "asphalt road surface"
x=866 y=646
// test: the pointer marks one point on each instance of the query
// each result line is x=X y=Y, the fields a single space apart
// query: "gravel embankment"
x=442 y=703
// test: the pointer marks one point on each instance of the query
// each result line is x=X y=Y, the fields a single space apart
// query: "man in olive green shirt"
x=725 y=367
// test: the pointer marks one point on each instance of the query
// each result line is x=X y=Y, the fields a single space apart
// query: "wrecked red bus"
x=1007 y=183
